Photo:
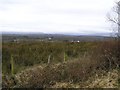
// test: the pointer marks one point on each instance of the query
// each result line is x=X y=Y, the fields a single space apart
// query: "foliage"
x=27 y=54
x=69 y=62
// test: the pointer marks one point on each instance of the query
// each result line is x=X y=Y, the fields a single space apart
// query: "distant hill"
x=11 y=36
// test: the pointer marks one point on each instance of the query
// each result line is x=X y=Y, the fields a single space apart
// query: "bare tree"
x=115 y=18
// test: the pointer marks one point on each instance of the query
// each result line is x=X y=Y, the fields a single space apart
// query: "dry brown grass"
x=109 y=80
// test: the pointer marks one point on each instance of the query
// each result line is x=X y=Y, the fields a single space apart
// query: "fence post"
x=12 y=65
x=49 y=59
x=65 y=57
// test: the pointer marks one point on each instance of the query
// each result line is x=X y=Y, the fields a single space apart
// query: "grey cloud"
x=51 y=16
x=71 y=11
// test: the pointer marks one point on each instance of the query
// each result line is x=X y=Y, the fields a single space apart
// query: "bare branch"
x=115 y=17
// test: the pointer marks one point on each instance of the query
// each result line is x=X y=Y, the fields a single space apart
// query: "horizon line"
x=60 y=33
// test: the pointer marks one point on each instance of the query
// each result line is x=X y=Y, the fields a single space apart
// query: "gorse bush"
x=108 y=53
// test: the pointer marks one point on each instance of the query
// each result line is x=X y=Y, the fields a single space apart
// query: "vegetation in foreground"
x=60 y=64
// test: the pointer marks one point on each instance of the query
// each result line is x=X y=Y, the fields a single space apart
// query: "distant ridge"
x=68 y=34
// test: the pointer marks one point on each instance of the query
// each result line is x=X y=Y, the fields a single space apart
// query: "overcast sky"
x=55 y=16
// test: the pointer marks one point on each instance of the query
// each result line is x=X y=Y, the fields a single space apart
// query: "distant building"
x=16 y=40
x=49 y=38
x=74 y=41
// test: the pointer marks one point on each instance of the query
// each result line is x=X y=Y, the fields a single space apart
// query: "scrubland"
x=61 y=64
